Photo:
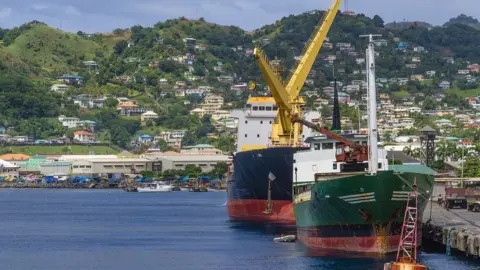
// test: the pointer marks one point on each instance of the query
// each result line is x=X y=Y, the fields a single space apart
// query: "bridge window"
x=261 y=122
x=258 y=135
x=246 y=122
x=316 y=146
x=269 y=122
x=327 y=145
x=261 y=108
x=274 y=108
x=245 y=135
x=255 y=108
x=268 y=108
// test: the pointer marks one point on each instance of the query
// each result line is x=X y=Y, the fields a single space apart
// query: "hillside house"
x=449 y=60
x=360 y=61
x=444 y=85
x=198 y=111
x=130 y=109
x=190 y=42
x=212 y=103
x=474 y=68
x=194 y=91
x=69 y=122
x=463 y=72
x=83 y=136
x=59 y=88
x=179 y=92
x=411 y=65
x=381 y=42
x=327 y=45
x=417 y=77
x=145 y=138
x=419 y=49
x=225 y=79
x=430 y=73
x=239 y=87
x=148 y=115
x=351 y=88
x=123 y=100
x=91 y=64
x=70 y=79
x=319 y=102
x=163 y=81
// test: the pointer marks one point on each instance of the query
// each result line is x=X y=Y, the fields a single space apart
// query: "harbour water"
x=112 y=229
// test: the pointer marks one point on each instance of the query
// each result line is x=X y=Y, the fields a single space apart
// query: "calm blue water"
x=112 y=229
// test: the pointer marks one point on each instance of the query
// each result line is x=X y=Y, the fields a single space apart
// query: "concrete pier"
x=455 y=229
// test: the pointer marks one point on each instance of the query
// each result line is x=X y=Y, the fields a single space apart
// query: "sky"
x=105 y=15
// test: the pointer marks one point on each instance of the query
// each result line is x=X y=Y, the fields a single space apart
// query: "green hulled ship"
x=347 y=199
x=355 y=213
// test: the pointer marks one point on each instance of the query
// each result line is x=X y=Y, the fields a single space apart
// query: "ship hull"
x=358 y=214
x=248 y=186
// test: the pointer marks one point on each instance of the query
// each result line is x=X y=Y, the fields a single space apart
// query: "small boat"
x=184 y=189
x=155 y=187
x=213 y=190
x=285 y=238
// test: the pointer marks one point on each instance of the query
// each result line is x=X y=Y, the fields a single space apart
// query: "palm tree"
x=408 y=150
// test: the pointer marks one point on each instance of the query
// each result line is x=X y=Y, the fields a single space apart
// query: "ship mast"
x=372 y=107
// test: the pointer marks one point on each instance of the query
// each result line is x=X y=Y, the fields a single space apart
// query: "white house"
x=69 y=122
x=59 y=88
x=149 y=115
x=84 y=136
x=8 y=169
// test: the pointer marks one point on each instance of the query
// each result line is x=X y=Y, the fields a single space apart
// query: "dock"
x=455 y=228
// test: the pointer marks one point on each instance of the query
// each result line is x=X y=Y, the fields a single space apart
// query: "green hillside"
x=52 y=49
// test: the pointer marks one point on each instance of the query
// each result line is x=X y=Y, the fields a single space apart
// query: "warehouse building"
x=178 y=162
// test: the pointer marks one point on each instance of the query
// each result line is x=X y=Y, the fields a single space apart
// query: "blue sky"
x=106 y=15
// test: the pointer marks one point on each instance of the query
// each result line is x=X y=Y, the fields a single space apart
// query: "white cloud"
x=5 y=12
x=71 y=10
x=39 y=6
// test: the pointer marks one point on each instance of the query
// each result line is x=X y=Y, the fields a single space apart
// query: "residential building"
x=212 y=103
x=431 y=73
x=69 y=122
x=417 y=77
x=225 y=79
x=145 y=138
x=194 y=91
x=84 y=136
x=8 y=169
x=129 y=109
x=444 y=85
x=419 y=49
x=463 y=71
x=474 y=68
x=70 y=79
x=91 y=64
x=59 y=88
x=148 y=115
x=201 y=149
x=178 y=162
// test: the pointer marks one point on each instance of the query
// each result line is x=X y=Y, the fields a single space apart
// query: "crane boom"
x=286 y=93
x=312 y=48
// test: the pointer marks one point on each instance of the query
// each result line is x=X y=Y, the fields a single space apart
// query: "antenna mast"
x=372 y=106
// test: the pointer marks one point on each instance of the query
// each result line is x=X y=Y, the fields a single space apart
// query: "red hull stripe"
x=371 y=245
x=254 y=211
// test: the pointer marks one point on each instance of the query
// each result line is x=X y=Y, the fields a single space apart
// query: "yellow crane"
x=286 y=92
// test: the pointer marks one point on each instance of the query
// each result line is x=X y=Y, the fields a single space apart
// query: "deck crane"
x=286 y=92
x=348 y=152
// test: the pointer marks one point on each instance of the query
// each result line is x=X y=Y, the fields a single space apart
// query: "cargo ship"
x=347 y=199
x=260 y=180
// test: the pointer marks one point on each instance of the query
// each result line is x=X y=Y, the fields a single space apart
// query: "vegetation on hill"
x=465 y=20
x=133 y=61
